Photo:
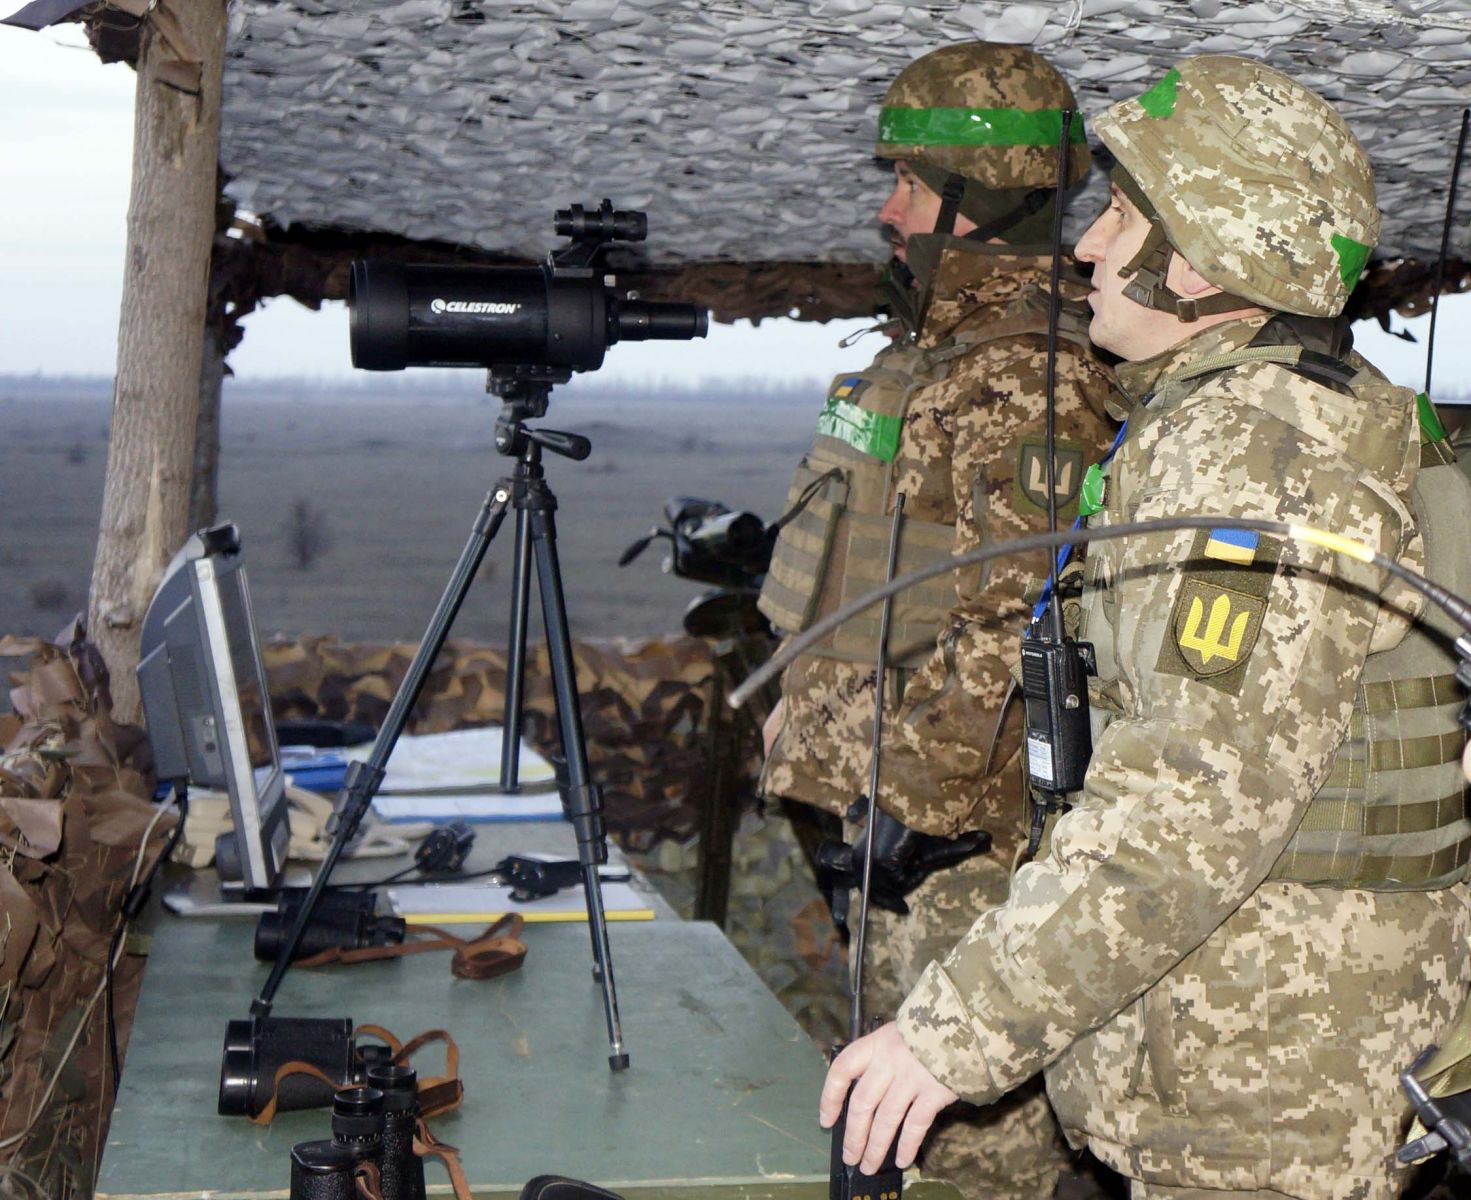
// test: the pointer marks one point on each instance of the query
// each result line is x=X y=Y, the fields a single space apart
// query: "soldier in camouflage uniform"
x=1255 y=912
x=952 y=416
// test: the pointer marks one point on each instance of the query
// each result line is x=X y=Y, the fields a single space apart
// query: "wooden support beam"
x=171 y=225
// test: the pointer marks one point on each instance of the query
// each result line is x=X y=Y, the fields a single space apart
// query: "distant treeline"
x=440 y=387
x=466 y=387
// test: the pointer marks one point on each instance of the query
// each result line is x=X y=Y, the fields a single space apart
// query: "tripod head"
x=525 y=393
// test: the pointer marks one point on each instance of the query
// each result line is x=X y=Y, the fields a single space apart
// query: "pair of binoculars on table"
x=372 y=1140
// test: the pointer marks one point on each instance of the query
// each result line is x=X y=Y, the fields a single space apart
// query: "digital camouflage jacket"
x=969 y=455
x=1204 y=1025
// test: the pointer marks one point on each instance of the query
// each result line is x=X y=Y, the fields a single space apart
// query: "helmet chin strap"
x=1149 y=269
x=951 y=193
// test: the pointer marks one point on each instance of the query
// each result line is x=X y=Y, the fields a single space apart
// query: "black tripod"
x=525 y=393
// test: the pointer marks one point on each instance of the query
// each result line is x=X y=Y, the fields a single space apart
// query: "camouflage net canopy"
x=645 y=706
x=746 y=129
x=75 y=822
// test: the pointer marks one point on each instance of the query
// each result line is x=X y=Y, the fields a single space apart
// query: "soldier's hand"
x=772 y=728
x=1466 y=762
x=894 y=1090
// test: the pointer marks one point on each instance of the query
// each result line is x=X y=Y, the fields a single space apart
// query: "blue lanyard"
x=1062 y=555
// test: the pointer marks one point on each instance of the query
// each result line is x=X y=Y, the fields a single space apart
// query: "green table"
x=721 y=1094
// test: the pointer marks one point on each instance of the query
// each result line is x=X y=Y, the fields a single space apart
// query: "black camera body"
x=562 y=315
x=257 y=1047
x=716 y=545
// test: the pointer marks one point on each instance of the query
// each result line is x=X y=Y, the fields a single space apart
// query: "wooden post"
x=171 y=225
x=204 y=489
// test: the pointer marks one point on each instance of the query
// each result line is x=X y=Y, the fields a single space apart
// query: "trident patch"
x=1031 y=475
x=1219 y=610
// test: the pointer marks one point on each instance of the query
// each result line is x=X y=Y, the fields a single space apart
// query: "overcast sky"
x=65 y=158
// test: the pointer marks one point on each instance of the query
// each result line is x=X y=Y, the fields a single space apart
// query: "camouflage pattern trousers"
x=1010 y=1150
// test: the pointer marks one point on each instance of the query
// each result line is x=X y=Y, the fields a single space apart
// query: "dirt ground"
x=353 y=506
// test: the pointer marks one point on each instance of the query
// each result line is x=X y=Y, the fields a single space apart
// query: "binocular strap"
x=437 y=1094
x=367 y=1181
x=490 y=954
x=426 y=1145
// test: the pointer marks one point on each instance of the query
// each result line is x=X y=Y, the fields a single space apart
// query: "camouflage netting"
x=74 y=812
x=645 y=711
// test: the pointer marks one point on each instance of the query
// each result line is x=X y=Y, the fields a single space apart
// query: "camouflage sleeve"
x=993 y=405
x=1235 y=700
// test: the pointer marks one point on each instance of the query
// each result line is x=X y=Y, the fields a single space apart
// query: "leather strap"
x=368 y=1180
x=426 y=1145
x=294 y=1067
x=482 y=957
x=437 y=1094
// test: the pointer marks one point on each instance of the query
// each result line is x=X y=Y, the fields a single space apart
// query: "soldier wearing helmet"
x=1255 y=913
x=952 y=415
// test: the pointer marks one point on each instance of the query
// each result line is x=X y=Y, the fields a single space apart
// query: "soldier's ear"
x=1185 y=280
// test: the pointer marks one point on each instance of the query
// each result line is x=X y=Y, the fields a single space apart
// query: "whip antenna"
x=1054 y=306
x=1445 y=243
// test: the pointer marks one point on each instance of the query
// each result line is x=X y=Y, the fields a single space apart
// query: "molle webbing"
x=827 y=556
x=790 y=593
x=918 y=614
x=833 y=541
x=1360 y=830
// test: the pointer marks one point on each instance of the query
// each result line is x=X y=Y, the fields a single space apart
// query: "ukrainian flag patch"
x=1237 y=546
x=846 y=387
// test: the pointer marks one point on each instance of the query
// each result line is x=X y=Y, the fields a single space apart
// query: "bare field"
x=379 y=491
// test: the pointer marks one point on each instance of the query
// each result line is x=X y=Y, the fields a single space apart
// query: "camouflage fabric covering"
x=969 y=454
x=73 y=816
x=1297 y=234
x=1204 y=1027
x=643 y=708
x=1009 y=1150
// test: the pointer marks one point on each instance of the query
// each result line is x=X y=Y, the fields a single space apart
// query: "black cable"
x=1456 y=607
x=1445 y=242
x=457 y=877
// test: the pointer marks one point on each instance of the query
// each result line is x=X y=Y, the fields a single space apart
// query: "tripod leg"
x=583 y=801
x=516 y=651
x=363 y=778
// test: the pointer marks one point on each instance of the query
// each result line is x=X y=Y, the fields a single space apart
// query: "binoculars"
x=342 y=919
x=373 y=1131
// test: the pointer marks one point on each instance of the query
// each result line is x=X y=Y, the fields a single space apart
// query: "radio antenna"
x=1054 y=306
x=1445 y=244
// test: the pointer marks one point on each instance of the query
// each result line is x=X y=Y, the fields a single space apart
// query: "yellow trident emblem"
x=1209 y=645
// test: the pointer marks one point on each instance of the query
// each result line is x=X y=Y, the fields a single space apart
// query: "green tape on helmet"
x=976 y=127
x=1352 y=256
x=1159 y=101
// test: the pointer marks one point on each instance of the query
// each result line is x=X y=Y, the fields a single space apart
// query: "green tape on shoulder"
x=873 y=433
x=1352 y=257
x=1430 y=426
x=976 y=127
x=1159 y=101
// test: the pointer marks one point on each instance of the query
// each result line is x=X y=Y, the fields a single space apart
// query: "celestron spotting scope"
x=563 y=314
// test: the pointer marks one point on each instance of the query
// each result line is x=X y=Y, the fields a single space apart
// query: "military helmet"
x=989 y=113
x=1254 y=178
